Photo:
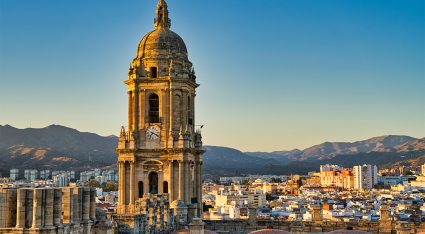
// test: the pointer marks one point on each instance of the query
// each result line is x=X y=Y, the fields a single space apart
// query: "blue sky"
x=274 y=74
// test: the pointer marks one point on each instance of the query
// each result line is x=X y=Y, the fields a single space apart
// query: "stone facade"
x=161 y=151
x=48 y=210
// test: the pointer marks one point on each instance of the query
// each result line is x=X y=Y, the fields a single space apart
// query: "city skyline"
x=340 y=71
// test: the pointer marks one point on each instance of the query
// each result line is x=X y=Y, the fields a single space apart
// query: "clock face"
x=152 y=133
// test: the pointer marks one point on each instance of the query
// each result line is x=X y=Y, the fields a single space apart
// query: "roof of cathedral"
x=162 y=41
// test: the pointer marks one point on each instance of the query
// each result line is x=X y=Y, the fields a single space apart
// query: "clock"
x=152 y=132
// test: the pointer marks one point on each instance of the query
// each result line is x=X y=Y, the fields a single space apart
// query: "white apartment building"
x=44 y=174
x=62 y=180
x=365 y=176
x=14 y=174
x=31 y=174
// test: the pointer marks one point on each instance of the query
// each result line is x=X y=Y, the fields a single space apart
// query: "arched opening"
x=140 y=189
x=154 y=72
x=153 y=108
x=153 y=183
x=165 y=187
x=189 y=112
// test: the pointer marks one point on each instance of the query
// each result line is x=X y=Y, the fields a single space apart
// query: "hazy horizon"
x=274 y=75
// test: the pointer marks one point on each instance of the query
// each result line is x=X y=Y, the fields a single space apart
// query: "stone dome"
x=162 y=53
x=162 y=42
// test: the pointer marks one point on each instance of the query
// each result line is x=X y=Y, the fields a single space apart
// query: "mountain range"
x=58 y=147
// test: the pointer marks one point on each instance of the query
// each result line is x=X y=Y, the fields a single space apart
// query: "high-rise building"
x=14 y=174
x=161 y=151
x=44 y=174
x=365 y=176
x=31 y=174
x=423 y=169
x=61 y=180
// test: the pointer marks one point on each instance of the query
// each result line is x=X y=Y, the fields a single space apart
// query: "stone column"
x=161 y=181
x=150 y=214
x=3 y=209
x=20 y=207
x=189 y=181
x=8 y=207
x=37 y=205
x=200 y=190
x=92 y=204
x=121 y=184
x=49 y=203
x=193 y=112
x=135 y=108
x=130 y=111
x=67 y=206
x=146 y=108
x=184 y=109
x=161 y=214
x=77 y=203
x=166 y=213
x=180 y=180
x=57 y=207
x=162 y=105
x=171 y=181
x=195 y=180
x=186 y=181
x=86 y=204
x=132 y=184
x=141 y=108
x=170 y=112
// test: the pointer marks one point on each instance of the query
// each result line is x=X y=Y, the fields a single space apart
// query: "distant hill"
x=381 y=151
x=54 y=147
x=59 y=147
x=328 y=150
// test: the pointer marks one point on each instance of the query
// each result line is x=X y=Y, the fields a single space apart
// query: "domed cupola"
x=162 y=53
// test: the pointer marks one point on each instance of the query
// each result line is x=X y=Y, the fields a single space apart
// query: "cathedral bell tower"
x=161 y=151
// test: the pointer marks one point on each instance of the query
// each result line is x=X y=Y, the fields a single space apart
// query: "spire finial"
x=162 y=20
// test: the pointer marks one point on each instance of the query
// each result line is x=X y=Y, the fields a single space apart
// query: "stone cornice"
x=161 y=150
x=161 y=80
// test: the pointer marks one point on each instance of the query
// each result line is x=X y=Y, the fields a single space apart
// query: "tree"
x=275 y=180
x=245 y=182
x=93 y=183
x=408 y=173
x=109 y=186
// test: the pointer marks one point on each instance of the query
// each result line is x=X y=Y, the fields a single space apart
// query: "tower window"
x=153 y=108
x=153 y=183
x=165 y=187
x=154 y=72
x=140 y=189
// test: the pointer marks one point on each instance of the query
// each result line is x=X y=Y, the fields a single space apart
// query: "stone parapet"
x=47 y=210
x=243 y=226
